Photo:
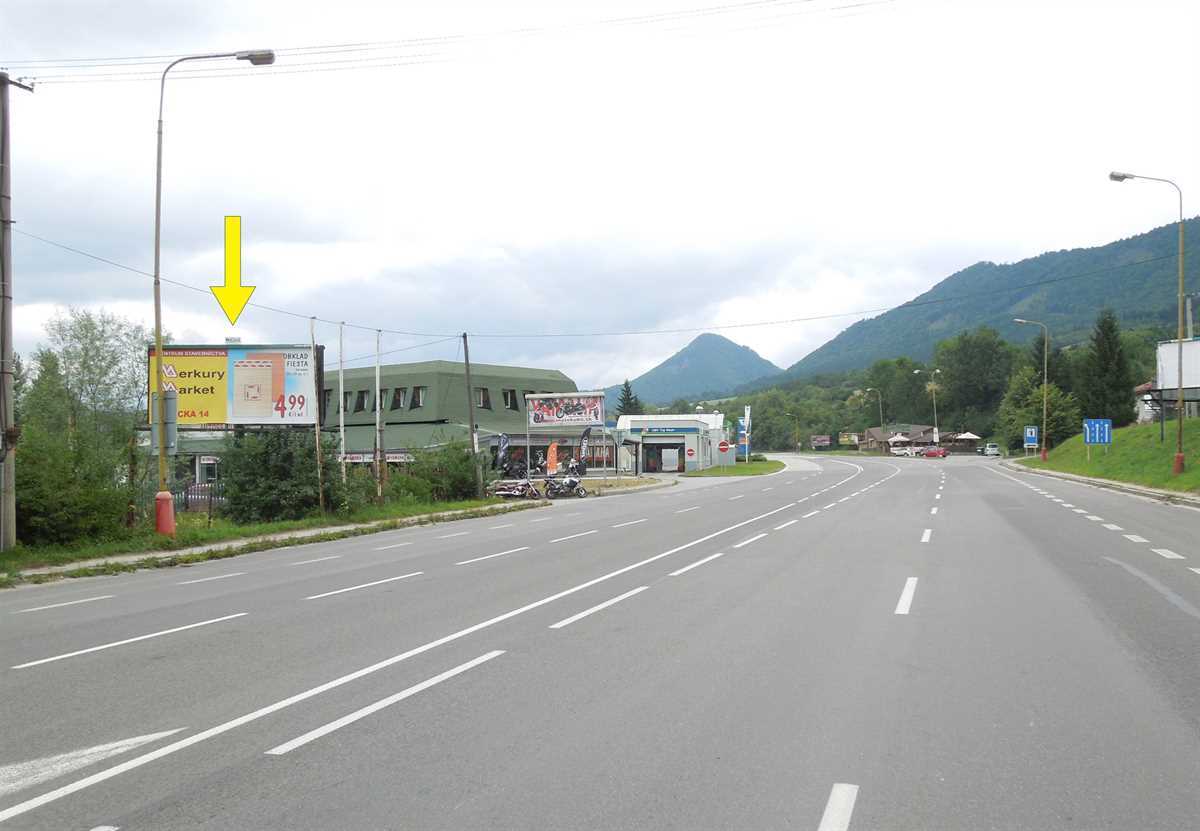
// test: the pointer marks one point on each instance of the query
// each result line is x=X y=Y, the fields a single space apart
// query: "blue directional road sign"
x=1097 y=431
x=1031 y=435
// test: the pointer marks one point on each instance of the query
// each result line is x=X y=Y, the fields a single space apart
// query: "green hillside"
x=708 y=367
x=1135 y=277
x=1136 y=456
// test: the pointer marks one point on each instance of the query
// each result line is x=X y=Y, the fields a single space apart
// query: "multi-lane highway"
x=848 y=644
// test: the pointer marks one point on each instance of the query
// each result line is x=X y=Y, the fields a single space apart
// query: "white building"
x=658 y=443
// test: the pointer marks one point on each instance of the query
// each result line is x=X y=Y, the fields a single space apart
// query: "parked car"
x=936 y=452
x=991 y=449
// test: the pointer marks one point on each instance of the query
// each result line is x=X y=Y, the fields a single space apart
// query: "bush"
x=757 y=457
x=448 y=472
x=272 y=475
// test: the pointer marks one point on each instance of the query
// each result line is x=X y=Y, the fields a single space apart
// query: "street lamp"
x=1045 y=374
x=937 y=438
x=793 y=415
x=164 y=514
x=1117 y=176
x=882 y=430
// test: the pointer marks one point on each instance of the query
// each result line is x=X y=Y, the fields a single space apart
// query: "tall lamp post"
x=1045 y=374
x=797 y=431
x=882 y=430
x=164 y=517
x=937 y=438
x=1117 y=176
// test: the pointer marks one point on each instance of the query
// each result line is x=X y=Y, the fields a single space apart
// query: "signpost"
x=1031 y=438
x=1097 y=431
x=725 y=458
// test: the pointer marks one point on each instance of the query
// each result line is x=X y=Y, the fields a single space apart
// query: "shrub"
x=272 y=475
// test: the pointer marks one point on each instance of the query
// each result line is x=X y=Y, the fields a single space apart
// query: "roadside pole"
x=342 y=397
x=471 y=417
x=378 y=408
x=316 y=400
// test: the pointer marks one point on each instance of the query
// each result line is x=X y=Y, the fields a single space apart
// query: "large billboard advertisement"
x=565 y=409
x=234 y=384
x=1168 y=365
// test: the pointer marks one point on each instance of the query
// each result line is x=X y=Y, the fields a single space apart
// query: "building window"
x=347 y=397
x=510 y=400
x=361 y=399
x=418 y=398
x=398 y=398
x=483 y=398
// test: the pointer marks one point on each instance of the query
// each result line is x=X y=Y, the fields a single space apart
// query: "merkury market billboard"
x=235 y=384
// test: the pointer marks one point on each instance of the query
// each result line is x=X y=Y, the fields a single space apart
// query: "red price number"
x=292 y=405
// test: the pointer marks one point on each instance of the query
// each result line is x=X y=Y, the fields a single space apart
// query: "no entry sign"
x=723 y=446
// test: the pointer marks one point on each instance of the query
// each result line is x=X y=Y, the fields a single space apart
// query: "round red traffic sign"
x=723 y=446
x=691 y=452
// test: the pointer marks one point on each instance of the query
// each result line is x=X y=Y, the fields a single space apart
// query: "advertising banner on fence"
x=566 y=409
x=224 y=385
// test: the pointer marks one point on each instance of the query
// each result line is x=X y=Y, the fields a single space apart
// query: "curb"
x=297 y=537
x=1174 y=497
x=622 y=491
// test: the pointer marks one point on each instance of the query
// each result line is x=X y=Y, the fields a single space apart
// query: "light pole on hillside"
x=1117 y=176
x=797 y=442
x=165 y=523
x=1045 y=374
x=937 y=437
x=882 y=430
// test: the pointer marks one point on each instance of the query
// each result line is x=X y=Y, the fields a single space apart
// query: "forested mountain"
x=1134 y=277
x=708 y=367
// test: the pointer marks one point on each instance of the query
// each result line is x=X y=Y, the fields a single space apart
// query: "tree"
x=975 y=368
x=1107 y=381
x=629 y=404
x=680 y=405
x=272 y=475
x=1022 y=405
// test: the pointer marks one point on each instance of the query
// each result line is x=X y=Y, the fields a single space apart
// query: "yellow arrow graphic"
x=233 y=296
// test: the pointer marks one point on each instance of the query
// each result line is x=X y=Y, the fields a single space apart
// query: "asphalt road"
x=849 y=644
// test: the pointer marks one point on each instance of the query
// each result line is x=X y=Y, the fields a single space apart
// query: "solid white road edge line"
x=490 y=556
x=184 y=743
x=839 y=808
x=906 y=596
x=206 y=579
x=623 y=524
x=363 y=586
x=123 y=642
x=598 y=607
x=687 y=568
x=573 y=536
x=60 y=605
x=380 y=704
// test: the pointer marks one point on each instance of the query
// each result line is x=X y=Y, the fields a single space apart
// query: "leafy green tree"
x=272 y=475
x=1107 y=382
x=975 y=368
x=680 y=405
x=629 y=404
x=1022 y=405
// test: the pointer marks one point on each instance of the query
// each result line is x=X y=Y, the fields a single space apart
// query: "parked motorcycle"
x=520 y=489
x=566 y=486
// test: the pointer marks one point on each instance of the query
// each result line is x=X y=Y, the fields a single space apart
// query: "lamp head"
x=258 y=57
x=1019 y=320
x=1117 y=176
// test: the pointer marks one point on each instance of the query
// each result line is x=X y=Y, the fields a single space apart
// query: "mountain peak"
x=709 y=367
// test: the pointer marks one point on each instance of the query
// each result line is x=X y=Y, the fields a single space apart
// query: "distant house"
x=896 y=435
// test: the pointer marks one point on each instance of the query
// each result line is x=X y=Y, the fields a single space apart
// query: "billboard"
x=234 y=384
x=848 y=439
x=820 y=441
x=565 y=409
x=1168 y=365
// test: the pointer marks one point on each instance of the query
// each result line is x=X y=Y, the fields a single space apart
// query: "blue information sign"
x=1097 y=431
x=1031 y=435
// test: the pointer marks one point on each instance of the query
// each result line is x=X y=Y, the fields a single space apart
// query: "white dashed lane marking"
x=1135 y=538
x=1168 y=553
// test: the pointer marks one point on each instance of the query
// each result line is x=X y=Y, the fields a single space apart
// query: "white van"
x=992 y=449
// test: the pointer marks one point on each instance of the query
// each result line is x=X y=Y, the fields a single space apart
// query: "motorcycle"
x=566 y=486
x=520 y=489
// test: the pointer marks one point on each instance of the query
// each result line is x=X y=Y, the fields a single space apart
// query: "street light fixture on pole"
x=793 y=415
x=937 y=438
x=164 y=523
x=1117 y=176
x=882 y=430
x=1045 y=374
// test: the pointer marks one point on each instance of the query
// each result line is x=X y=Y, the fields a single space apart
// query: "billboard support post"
x=379 y=448
x=316 y=402
x=342 y=397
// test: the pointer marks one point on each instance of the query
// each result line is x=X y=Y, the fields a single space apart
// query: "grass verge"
x=1136 y=457
x=740 y=469
x=192 y=530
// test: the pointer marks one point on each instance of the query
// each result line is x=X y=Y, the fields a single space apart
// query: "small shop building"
x=669 y=443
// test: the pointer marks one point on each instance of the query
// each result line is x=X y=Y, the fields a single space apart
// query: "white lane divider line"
x=325 y=730
x=393 y=545
x=906 y=596
x=937 y=496
x=457 y=534
x=810 y=513
x=569 y=620
x=788 y=482
x=764 y=490
x=739 y=496
x=1079 y=510
x=1135 y=538
x=490 y=556
x=1168 y=553
x=631 y=522
x=701 y=562
x=685 y=510
x=830 y=505
x=575 y=536
x=1067 y=505
x=60 y=605
x=1112 y=527
x=843 y=499
x=122 y=643
x=363 y=586
x=1094 y=518
x=1197 y=570
x=36 y=771
x=933 y=511
x=786 y=524
x=1056 y=499
x=498 y=527
x=317 y=560
x=755 y=538
x=543 y=519
x=839 y=808
x=925 y=536
x=214 y=577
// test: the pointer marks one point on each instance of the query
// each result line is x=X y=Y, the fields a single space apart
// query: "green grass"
x=741 y=469
x=1136 y=456
x=192 y=530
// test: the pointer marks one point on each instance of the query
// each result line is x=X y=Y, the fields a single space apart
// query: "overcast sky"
x=584 y=167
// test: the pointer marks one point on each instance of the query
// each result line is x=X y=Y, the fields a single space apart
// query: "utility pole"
x=8 y=478
x=471 y=418
x=316 y=399
x=379 y=449
x=342 y=396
